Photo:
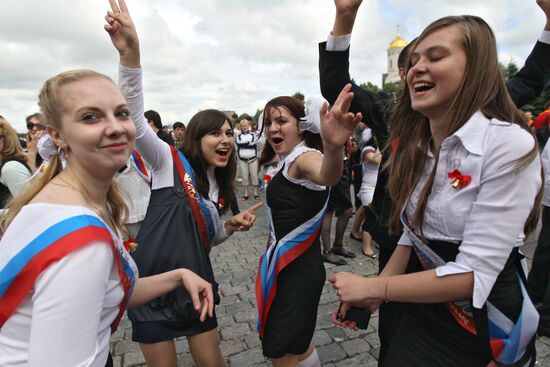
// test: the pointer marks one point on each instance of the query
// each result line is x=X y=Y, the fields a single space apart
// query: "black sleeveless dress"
x=169 y=239
x=291 y=320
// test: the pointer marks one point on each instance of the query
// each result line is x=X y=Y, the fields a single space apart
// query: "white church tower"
x=395 y=47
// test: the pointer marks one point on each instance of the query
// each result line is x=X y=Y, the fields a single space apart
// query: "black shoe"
x=360 y=239
x=333 y=259
x=339 y=250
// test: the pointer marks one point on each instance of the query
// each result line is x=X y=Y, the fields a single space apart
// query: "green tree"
x=508 y=70
x=257 y=115
x=392 y=87
x=299 y=95
x=368 y=86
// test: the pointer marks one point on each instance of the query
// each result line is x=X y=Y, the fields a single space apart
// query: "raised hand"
x=123 y=33
x=242 y=221
x=343 y=6
x=545 y=6
x=337 y=124
x=346 y=11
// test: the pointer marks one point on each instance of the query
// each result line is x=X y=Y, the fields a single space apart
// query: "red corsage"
x=130 y=244
x=458 y=179
x=267 y=179
x=221 y=202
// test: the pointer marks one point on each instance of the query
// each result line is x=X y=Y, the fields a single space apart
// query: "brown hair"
x=483 y=88
x=201 y=124
x=12 y=147
x=51 y=105
x=296 y=108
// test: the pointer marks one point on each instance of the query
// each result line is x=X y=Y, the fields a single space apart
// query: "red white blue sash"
x=140 y=165
x=201 y=211
x=19 y=273
x=508 y=340
x=277 y=256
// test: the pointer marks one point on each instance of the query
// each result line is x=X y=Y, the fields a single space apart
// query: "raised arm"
x=334 y=73
x=529 y=82
x=337 y=125
x=123 y=34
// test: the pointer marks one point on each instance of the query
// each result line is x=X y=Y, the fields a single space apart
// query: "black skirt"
x=428 y=335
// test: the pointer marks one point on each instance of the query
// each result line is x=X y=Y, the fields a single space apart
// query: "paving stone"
x=355 y=346
x=133 y=359
x=330 y=353
x=235 y=265
x=251 y=357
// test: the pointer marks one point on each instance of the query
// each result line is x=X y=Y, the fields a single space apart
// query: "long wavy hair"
x=51 y=105
x=296 y=108
x=201 y=124
x=483 y=88
x=12 y=147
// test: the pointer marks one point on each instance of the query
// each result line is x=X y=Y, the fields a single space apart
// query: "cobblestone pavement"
x=235 y=264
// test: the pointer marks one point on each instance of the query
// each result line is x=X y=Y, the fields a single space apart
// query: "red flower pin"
x=267 y=179
x=221 y=202
x=458 y=179
x=130 y=244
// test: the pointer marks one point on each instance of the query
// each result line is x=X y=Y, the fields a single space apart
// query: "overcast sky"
x=229 y=55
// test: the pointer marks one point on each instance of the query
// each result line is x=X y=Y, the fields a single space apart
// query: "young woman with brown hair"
x=465 y=179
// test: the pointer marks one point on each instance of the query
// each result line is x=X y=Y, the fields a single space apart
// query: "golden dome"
x=398 y=42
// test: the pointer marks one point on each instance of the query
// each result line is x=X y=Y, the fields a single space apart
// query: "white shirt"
x=545 y=157
x=15 y=176
x=370 y=176
x=65 y=320
x=155 y=151
x=136 y=191
x=488 y=215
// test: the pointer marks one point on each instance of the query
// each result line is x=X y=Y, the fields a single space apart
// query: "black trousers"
x=539 y=276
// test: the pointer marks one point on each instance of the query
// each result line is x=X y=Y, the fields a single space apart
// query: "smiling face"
x=217 y=145
x=282 y=130
x=437 y=70
x=95 y=126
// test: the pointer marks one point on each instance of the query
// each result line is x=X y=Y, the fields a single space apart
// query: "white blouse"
x=155 y=151
x=487 y=215
x=65 y=320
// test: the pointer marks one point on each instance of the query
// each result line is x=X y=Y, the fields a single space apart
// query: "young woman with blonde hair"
x=65 y=275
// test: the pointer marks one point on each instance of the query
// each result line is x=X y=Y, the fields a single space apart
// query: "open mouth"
x=423 y=87
x=277 y=140
x=224 y=152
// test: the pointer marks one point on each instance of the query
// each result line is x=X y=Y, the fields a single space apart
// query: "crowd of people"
x=450 y=177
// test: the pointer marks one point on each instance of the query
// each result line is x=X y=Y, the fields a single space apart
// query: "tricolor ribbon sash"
x=201 y=211
x=277 y=256
x=140 y=165
x=19 y=274
x=509 y=341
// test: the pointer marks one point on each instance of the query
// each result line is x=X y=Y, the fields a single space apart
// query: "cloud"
x=232 y=55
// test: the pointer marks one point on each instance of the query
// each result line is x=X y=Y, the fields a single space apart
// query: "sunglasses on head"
x=31 y=126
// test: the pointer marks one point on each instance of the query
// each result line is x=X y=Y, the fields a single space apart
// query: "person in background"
x=178 y=134
x=247 y=153
x=15 y=172
x=155 y=122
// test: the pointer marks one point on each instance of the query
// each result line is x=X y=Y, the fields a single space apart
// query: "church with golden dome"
x=395 y=47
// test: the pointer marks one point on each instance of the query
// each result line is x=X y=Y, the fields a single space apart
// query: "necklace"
x=103 y=213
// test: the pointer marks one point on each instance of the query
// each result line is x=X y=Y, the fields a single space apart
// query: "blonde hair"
x=483 y=88
x=51 y=105
x=12 y=147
